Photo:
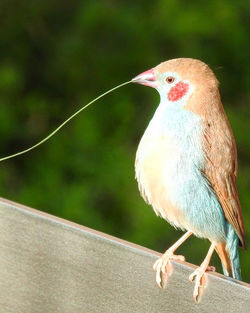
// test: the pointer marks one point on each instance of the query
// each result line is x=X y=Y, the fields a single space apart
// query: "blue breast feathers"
x=188 y=188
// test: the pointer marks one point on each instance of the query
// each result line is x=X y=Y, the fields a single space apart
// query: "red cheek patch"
x=178 y=91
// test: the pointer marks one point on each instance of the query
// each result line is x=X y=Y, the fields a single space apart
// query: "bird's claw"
x=200 y=278
x=163 y=267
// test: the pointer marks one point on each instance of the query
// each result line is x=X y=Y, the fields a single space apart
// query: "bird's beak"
x=146 y=78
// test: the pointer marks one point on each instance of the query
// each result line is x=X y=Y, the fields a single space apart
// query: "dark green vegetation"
x=55 y=56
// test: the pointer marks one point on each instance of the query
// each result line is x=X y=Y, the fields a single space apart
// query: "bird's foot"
x=163 y=267
x=200 y=278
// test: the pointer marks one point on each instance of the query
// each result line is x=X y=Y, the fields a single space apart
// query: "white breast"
x=154 y=166
x=161 y=160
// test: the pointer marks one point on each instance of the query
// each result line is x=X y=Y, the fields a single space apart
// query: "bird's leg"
x=199 y=275
x=162 y=266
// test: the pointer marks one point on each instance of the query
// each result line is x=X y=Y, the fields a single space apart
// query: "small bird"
x=186 y=166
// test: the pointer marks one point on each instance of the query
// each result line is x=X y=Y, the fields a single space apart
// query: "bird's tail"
x=229 y=254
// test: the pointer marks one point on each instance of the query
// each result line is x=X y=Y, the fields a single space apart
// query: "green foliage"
x=58 y=55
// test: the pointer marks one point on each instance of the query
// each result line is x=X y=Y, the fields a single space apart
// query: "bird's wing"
x=221 y=168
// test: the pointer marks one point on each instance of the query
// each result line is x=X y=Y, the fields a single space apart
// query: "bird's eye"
x=170 y=79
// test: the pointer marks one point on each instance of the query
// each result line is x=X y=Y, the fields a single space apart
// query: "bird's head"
x=179 y=80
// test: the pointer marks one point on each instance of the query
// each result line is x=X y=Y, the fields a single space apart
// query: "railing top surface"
x=49 y=264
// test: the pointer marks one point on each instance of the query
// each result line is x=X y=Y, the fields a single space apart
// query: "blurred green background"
x=55 y=56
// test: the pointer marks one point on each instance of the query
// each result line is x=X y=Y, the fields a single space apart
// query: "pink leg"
x=162 y=266
x=199 y=275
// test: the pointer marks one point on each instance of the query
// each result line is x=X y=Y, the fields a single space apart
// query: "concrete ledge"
x=51 y=265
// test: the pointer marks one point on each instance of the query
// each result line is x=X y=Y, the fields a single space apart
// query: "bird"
x=186 y=167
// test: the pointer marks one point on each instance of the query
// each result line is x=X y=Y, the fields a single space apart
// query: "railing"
x=51 y=265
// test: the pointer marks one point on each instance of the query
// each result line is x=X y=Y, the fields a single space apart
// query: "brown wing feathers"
x=221 y=169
